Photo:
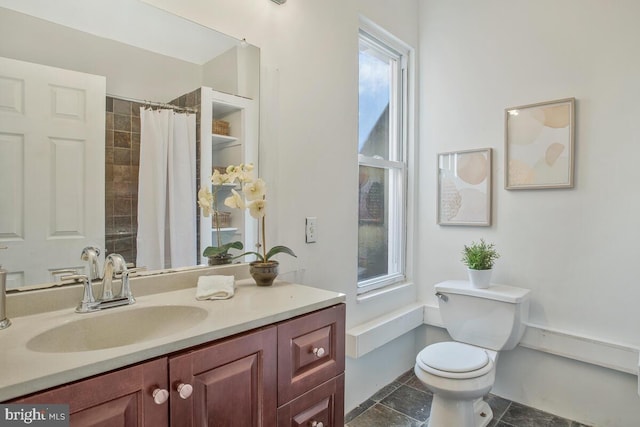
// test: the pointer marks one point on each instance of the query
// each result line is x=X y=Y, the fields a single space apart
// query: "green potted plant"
x=479 y=259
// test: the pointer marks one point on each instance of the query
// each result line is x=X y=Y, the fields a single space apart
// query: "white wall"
x=309 y=112
x=575 y=249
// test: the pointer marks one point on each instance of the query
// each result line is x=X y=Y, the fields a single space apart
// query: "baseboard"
x=375 y=333
x=621 y=357
x=596 y=351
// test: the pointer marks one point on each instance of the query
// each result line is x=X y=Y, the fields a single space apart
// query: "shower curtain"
x=166 y=190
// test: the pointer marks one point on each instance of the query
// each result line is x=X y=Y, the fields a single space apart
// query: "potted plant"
x=479 y=259
x=252 y=196
x=208 y=202
x=219 y=255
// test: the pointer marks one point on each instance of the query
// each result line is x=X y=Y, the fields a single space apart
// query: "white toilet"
x=459 y=373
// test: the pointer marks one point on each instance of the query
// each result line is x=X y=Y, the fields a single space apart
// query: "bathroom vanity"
x=267 y=356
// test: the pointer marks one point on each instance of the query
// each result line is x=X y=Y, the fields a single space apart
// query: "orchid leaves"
x=273 y=251
x=212 y=251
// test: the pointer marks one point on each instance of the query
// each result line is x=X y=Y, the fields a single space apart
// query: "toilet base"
x=462 y=413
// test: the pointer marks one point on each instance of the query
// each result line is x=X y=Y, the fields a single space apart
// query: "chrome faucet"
x=113 y=265
x=4 y=320
x=92 y=254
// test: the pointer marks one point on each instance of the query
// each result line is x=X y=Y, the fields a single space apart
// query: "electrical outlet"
x=311 y=232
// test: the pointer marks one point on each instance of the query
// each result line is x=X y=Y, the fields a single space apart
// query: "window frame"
x=400 y=136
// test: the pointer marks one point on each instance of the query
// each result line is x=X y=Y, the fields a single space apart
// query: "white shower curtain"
x=166 y=190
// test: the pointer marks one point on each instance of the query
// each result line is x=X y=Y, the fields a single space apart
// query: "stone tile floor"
x=406 y=402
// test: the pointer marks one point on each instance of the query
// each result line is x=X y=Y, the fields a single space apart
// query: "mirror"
x=145 y=55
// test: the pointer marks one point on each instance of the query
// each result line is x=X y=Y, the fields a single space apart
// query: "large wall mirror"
x=96 y=63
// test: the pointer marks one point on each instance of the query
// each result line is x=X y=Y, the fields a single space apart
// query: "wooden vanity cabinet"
x=287 y=374
x=311 y=359
x=122 y=398
x=234 y=383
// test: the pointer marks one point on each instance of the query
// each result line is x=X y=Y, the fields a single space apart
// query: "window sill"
x=385 y=291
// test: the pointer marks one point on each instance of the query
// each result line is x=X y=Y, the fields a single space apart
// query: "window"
x=382 y=152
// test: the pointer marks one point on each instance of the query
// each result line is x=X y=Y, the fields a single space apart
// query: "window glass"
x=374 y=94
x=373 y=233
x=381 y=160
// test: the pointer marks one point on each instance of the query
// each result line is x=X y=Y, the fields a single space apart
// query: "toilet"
x=482 y=322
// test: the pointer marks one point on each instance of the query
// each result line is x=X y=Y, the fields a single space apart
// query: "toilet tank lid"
x=505 y=293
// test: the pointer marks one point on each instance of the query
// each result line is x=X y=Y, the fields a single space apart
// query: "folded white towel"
x=215 y=287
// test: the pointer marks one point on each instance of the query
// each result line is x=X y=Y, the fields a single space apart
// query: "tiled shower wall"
x=122 y=159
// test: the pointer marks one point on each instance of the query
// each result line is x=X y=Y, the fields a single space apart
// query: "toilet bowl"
x=482 y=322
x=459 y=375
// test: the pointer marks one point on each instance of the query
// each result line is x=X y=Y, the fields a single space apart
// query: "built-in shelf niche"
x=240 y=146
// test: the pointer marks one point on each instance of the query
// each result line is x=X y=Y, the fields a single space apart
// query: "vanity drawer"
x=310 y=351
x=324 y=405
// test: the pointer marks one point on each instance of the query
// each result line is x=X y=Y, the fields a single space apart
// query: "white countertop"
x=23 y=371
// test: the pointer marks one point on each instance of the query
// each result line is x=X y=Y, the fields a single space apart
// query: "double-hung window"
x=382 y=159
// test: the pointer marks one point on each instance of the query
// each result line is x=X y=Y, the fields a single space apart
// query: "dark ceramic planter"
x=264 y=273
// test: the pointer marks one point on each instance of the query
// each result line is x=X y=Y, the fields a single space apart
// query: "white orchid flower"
x=218 y=178
x=245 y=177
x=257 y=208
x=205 y=201
x=255 y=190
x=234 y=201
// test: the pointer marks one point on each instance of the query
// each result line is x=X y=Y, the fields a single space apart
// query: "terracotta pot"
x=264 y=273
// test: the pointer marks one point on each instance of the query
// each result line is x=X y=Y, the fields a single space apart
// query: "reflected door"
x=52 y=127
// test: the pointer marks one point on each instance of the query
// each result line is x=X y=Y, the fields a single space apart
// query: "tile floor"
x=406 y=402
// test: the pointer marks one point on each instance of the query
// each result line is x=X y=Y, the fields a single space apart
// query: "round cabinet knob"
x=317 y=424
x=160 y=396
x=319 y=352
x=184 y=390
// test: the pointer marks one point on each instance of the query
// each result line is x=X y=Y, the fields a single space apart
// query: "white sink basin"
x=115 y=328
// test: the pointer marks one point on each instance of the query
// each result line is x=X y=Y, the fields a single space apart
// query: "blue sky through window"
x=373 y=93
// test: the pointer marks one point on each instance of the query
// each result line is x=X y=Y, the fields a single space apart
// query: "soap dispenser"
x=4 y=322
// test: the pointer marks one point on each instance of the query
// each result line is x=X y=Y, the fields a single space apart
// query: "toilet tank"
x=491 y=318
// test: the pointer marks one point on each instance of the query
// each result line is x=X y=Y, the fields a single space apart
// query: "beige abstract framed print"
x=464 y=187
x=539 y=145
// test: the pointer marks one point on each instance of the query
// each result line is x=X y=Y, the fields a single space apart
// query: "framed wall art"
x=539 y=145
x=464 y=187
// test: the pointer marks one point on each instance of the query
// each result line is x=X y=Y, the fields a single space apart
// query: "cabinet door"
x=310 y=351
x=233 y=383
x=322 y=407
x=123 y=398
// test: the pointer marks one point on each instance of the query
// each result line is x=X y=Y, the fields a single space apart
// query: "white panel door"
x=52 y=129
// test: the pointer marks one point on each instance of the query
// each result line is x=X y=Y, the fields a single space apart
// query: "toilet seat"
x=454 y=360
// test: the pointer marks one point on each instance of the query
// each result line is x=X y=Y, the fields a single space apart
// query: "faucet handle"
x=125 y=290
x=88 y=302
x=130 y=271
